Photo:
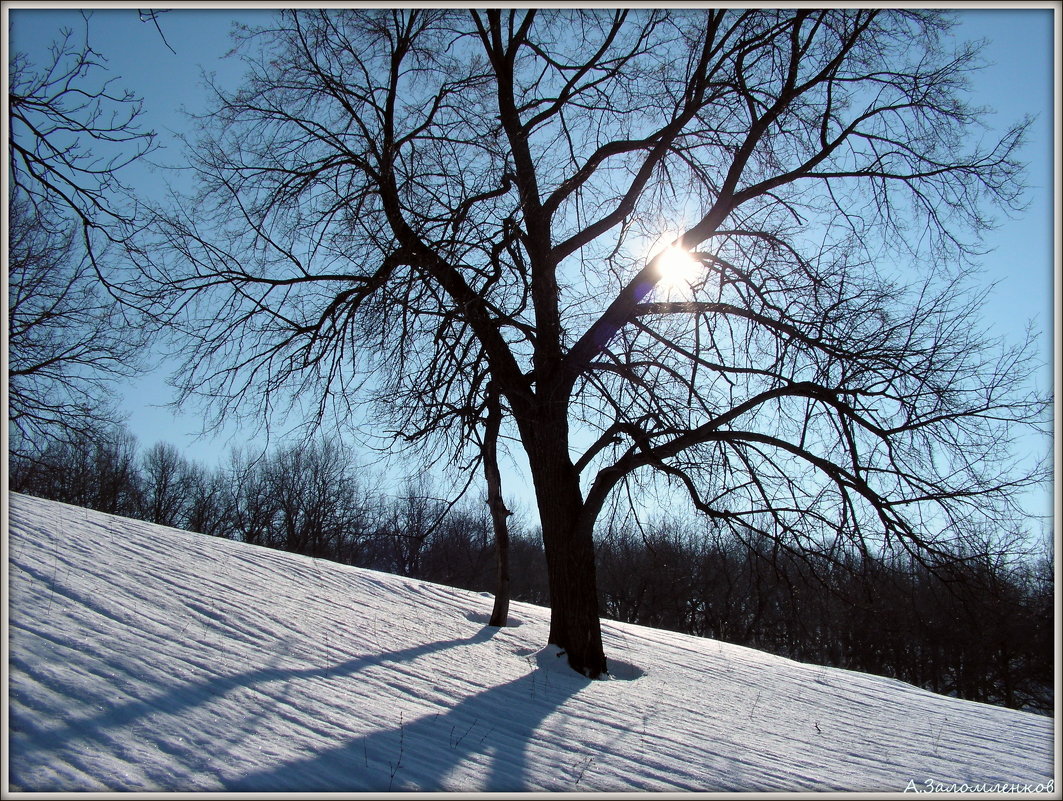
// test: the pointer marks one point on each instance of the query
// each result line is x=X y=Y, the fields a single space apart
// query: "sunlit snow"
x=148 y=659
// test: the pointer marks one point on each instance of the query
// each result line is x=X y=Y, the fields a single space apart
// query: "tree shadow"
x=38 y=743
x=494 y=728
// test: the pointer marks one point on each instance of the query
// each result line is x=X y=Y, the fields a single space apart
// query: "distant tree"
x=414 y=516
x=318 y=497
x=460 y=551
x=165 y=487
x=70 y=137
x=97 y=471
x=207 y=507
x=724 y=248
x=251 y=508
x=1038 y=659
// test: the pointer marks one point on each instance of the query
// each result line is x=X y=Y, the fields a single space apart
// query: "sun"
x=678 y=269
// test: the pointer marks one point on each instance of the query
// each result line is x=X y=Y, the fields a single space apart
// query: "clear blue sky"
x=1018 y=82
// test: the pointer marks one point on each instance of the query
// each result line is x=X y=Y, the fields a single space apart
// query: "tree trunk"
x=569 y=544
x=574 y=619
x=500 y=612
x=499 y=513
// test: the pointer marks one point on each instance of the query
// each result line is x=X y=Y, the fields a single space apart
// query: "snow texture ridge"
x=143 y=658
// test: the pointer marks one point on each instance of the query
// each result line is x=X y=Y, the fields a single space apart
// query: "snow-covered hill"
x=149 y=659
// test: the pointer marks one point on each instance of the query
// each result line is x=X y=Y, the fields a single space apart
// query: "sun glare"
x=678 y=269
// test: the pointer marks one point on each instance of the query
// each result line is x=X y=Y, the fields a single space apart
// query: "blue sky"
x=1018 y=82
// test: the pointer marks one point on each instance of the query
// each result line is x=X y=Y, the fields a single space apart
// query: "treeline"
x=314 y=499
x=982 y=632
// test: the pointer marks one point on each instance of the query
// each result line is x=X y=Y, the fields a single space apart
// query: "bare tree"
x=70 y=136
x=208 y=510
x=97 y=471
x=66 y=340
x=318 y=495
x=166 y=486
x=402 y=208
x=252 y=511
x=497 y=506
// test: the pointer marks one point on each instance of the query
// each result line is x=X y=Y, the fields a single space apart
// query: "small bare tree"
x=405 y=211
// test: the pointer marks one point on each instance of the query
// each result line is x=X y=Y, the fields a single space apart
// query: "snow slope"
x=150 y=659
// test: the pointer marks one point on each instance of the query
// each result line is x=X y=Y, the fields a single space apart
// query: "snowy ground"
x=148 y=659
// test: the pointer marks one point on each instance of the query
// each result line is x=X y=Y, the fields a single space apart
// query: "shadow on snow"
x=495 y=726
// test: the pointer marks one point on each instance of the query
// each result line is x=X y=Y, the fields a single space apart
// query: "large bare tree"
x=407 y=211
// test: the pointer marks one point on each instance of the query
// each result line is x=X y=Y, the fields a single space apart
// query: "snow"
x=142 y=658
